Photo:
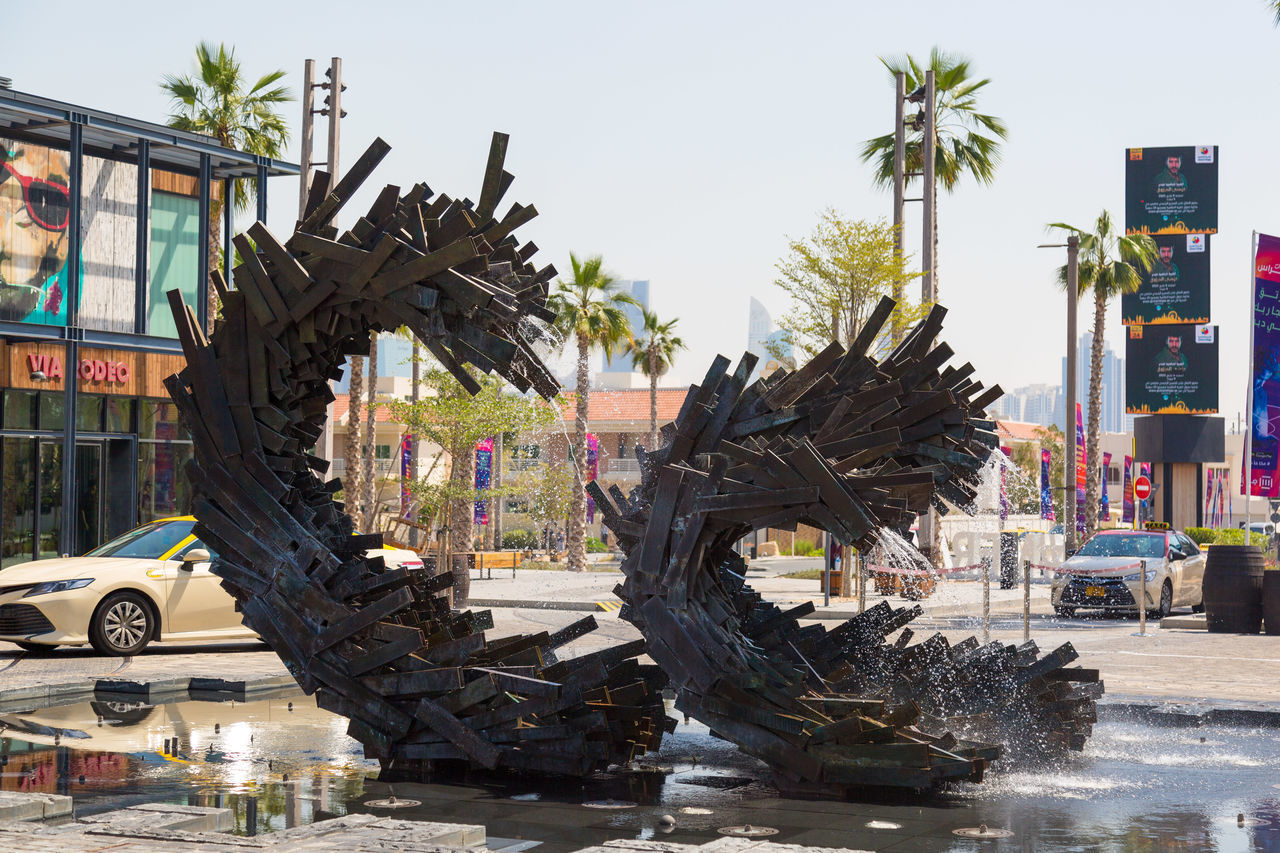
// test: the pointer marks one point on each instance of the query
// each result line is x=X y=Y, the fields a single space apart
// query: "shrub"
x=520 y=539
x=1202 y=535
x=595 y=546
x=1235 y=536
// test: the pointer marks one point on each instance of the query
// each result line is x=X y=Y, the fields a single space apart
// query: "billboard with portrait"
x=1171 y=369
x=1176 y=288
x=1171 y=190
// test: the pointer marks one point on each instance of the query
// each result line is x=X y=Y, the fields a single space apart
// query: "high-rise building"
x=765 y=341
x=1033 y=404
x=616 y=371
x=1112 y=417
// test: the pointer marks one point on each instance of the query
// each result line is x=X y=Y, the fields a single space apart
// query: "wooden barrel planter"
x=1233 y=589
x=1271 y=602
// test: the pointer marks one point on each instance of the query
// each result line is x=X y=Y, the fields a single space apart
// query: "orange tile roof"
x=626 y=404
x=1018 y=431
x=343 y=402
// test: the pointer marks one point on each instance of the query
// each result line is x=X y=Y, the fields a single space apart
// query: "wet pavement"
x=1137 y=786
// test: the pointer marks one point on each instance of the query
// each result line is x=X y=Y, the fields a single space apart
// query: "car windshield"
x=149 y=541
x=1149 y=545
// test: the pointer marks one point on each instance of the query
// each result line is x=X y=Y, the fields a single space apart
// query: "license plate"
x=1095 y=590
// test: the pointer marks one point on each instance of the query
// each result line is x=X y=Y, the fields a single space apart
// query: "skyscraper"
x=616 y=371
x=1111 y=418
x=765 y=341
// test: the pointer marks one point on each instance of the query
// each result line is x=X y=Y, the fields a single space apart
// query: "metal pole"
x=986 y=598
x=899 y=189
x=1026 y=600
x=928 y=261
x=71 y=373
x=1248 y=433
x=1142 y=605
x=497 y=492
x=1069 y=433
x=862 y=583
x=826 y=569
x=308 y=133
x=325 y=445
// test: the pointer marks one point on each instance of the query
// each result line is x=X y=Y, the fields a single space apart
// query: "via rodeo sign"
x=90 y=369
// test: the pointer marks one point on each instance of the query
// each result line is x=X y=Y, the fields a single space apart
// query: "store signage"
x=91 y=369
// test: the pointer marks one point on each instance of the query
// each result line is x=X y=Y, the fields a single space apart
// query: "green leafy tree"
x=834 y=278
x=968 y=141
x=546 y=491
x=1024 y=489
x=589 y=309
x=653 y=350
x=1109 y=265
x=450 y=418
x=217 y=101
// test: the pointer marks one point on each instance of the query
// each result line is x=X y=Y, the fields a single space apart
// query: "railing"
x=625 y=467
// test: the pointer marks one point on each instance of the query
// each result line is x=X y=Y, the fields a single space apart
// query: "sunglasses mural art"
x=847 y=442
x=35 y=208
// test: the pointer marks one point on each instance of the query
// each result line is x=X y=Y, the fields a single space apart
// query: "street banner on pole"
x=1144 y=470
x=1171 y=369
x=1104 y=502
x=1082 y=469
x=1208 y=495
x=406 y=473
x=1264 y=476
x=593 y=468
x=1046 y=493
x=1126 y=503
x=484 y=464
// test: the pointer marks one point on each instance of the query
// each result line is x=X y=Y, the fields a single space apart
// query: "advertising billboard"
x=1264 y=478
x=1171 y=369
x=1176 y=288
x=1171 y=190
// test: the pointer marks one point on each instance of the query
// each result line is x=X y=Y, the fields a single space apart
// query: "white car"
x=152 y=583
x=1107 y=573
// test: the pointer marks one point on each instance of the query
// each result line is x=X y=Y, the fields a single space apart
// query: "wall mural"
x=35 y=207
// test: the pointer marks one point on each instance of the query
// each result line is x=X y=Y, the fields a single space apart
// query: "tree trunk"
x=461 y=517
x=352 y=447
x=369 y=477
x=577 y=538
x=416 y=375
x=1095 y=417
x=653 y=398
x=935 y=520
x=213 y=304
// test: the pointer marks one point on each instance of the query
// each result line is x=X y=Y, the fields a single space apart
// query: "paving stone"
x=16 y=805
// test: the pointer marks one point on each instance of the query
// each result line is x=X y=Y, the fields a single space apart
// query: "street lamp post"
x=1069 y=437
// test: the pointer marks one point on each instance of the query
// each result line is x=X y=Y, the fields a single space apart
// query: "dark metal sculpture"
x=858 y=447
x=421 y=685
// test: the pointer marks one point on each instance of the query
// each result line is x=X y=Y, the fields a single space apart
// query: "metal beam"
x=142 y=259
x=71 y=376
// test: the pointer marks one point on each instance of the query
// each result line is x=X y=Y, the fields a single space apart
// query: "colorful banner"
x=1126 y=503
x=1104 y=502
x=1082 y=470
x=484 y=466
x=1171 y=190
x=593 y=469
x=1004 y=489
x=1264 y=478
x=1046 y=491
x=1208 y=495
x=406 y=472
x=1145 y=470
x=1224 y=489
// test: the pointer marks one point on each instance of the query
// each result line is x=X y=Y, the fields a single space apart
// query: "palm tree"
x=652 y=353
x=1109 y=264
x=216 y=102
x=968 y=142
x=589 y=308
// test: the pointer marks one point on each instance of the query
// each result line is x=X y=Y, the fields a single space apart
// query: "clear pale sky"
x=685 y=141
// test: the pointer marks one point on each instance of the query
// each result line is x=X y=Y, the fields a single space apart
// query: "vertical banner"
x=1223 y=491
x=593 y=469
x=484 y=464
x=1104 y=502
x=1004 y=488
x=1208 y=496
x=1126 y=505
x=1046 y=492
x=1145 y=470
x=406 y=462
x=1264 y=476
x=1082 y=468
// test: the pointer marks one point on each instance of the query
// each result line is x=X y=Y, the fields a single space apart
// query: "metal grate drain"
x=748 y=831
x=982 y=831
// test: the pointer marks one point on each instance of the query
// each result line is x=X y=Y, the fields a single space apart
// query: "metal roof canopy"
x=44 y=121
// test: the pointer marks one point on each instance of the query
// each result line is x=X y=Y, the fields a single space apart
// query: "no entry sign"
x=1142 y=488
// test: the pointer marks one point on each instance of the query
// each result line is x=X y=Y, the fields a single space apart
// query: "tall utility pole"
x=308 y=129
x=929 y=286
x=1069 y=436
x=899 y=190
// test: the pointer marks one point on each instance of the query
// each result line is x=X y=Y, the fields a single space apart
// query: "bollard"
x=986 y=600
x=1026 y=600
x=1142 y=601
x=251 y=816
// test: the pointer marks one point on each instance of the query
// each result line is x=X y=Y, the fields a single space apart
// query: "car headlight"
x=57 y=586
x=1133 y=578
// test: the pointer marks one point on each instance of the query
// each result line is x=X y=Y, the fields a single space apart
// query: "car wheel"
x=1166 y=602
x=1197 y=608
x=1064 y=611
x=122 y=625
x=34 y=648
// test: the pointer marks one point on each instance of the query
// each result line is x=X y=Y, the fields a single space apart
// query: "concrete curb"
x=1187 y=714
x=833 y=614
x=158 y=691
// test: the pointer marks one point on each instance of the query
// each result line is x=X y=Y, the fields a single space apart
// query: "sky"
x=686 y=142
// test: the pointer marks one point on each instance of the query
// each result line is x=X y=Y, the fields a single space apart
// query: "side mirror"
x=1176 y=555
x=195 y=555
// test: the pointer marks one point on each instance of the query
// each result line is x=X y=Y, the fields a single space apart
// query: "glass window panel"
x=34 y=215
x=162 y=482
x=120 y=414
x=52 y=409
x=19 y=409
x=109 y=243
x=89 y=413
x=175 y=246
x=17 y=506
x=158 y=419
x=50 y=535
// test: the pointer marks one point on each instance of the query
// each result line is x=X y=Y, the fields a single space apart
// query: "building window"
x=382 y=451
x=175 y=257
x=19 y=409
x=1113 y=475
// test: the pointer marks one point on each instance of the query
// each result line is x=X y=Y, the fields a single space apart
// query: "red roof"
x=341 y=403
x=626 y=404
x=1018 y=431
